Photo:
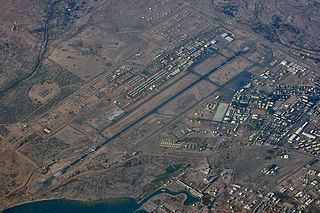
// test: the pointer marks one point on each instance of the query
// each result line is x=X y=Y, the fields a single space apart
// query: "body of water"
x=124 y=205
x=72 y=206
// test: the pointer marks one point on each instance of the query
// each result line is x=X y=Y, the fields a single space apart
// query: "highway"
x=91 y=151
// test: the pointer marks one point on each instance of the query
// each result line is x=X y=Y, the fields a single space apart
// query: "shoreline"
x=139 y=202
x=68 y=199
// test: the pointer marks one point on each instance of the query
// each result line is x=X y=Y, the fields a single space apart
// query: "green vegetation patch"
x=169 y=170
x=146 y=73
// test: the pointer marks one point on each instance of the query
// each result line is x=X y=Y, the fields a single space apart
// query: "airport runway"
x=149 y=113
